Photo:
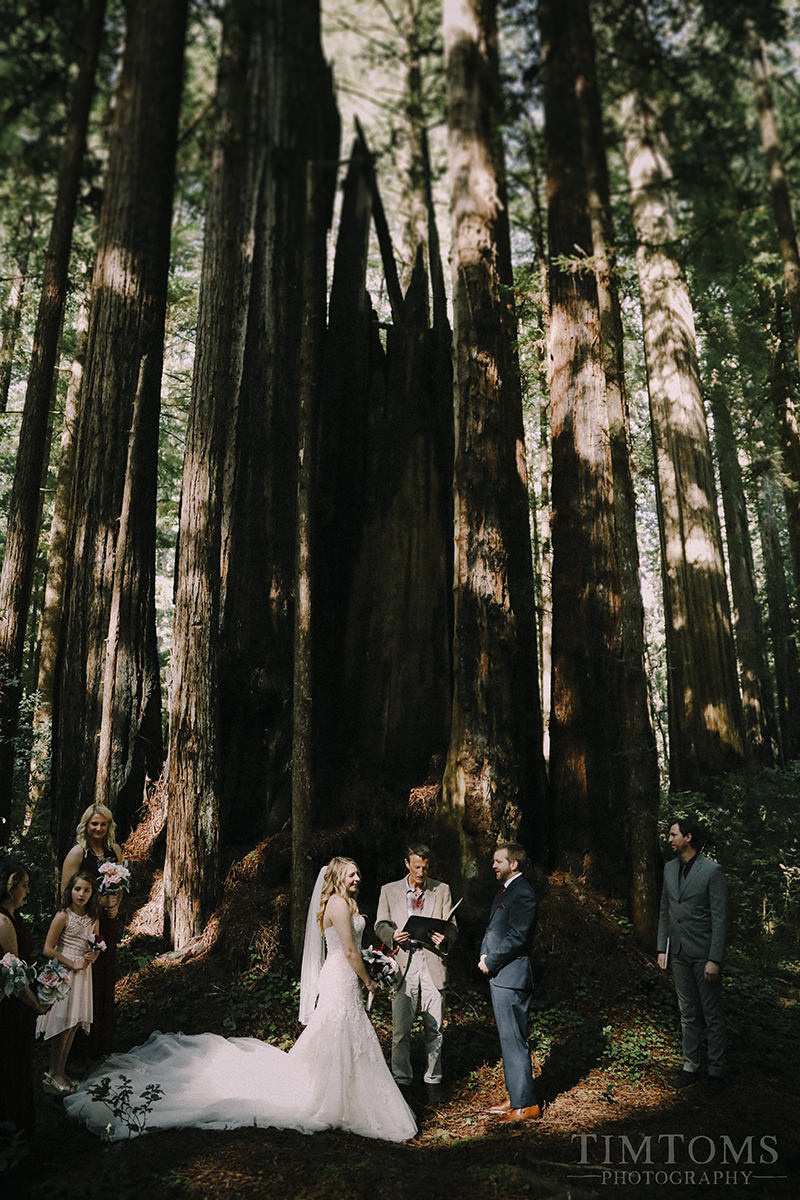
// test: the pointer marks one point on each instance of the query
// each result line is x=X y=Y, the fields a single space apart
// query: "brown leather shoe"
x=522 y=1114
x=497 y=1109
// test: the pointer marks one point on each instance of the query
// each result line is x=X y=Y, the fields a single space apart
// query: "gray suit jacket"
x=694 y=914
x=393 y=913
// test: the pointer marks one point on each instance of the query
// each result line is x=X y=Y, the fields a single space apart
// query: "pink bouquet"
x=52 y=982
x=114 y=877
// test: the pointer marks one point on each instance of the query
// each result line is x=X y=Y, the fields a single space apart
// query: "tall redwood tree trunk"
x=755 y=681
x=125 y=350
x=494 y=783
x=22 y=536
x=783 y=632
x=193 y=764
x=589 y=795
x=638 y=768
x=705 y=712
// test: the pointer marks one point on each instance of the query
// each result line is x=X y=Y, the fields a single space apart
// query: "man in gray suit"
x=424 y=971
x=691 y=937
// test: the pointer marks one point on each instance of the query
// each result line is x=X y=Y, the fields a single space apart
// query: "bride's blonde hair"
x=333 y=885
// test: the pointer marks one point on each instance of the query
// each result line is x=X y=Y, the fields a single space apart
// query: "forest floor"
x=605 y=1039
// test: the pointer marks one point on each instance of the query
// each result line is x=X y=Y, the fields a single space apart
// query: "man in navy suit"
x=505 y=958
x=691 y=935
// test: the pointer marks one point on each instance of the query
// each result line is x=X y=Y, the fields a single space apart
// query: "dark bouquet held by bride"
x=334 y=1077
x=383 y=968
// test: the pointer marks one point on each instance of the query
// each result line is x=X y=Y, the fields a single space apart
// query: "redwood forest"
x=399 y=443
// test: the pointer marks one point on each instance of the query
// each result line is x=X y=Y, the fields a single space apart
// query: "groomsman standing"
x=505 y=958
x=692 y=927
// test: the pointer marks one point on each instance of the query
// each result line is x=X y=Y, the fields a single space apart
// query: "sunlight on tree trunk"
x=50 y=624
x=494 y=782
x=22 y=535
x=638 y=769
x=705 y=712
x=756 y=684
x=193 y=764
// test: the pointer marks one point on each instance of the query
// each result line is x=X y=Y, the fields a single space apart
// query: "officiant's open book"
x=421 y=928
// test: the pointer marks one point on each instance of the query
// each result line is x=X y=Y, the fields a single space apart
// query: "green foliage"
x=263 y=1003
x=13 y=1146
x=632 y=1051
x=119 y=1100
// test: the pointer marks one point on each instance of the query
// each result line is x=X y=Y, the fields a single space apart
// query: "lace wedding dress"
x=334 y=1077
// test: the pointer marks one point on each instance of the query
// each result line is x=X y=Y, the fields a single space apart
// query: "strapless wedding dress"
x=334 y=1077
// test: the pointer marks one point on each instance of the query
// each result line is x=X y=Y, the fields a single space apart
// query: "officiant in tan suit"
x=424 y=970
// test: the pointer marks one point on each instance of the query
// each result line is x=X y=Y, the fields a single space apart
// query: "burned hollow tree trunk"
x=384 y=544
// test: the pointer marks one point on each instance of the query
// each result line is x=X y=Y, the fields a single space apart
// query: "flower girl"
x=69 y=940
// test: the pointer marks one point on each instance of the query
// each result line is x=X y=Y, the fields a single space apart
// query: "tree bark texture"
x=705 y=712
x=638 y=767
x=52 y=605
x=778 y=183
x=756 y=685
x=12 y=317
x=786 y=421
x=494 y=783
x=22 y=535
x=126 y=330
x=259 y=524
x=782 y=632
x=588 y=793
x=193 y=775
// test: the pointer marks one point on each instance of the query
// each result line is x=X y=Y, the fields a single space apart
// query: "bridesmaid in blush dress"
x=94 y=846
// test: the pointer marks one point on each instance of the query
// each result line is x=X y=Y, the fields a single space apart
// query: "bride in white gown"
x=334 y=1077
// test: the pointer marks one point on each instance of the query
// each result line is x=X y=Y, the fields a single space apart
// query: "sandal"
x=57 y=1089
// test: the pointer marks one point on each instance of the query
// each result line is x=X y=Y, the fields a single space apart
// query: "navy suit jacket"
x=508 y=940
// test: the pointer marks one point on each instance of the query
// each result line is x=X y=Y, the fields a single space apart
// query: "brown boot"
x=522 y=1114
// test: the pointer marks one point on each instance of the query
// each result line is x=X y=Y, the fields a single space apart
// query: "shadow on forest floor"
x=605 y=1040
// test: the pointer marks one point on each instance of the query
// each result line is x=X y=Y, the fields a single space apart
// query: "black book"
x=421 y=928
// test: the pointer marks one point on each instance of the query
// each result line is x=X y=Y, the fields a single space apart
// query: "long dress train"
x=334 y=1077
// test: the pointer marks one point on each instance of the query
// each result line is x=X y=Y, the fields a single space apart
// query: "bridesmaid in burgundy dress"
x=96 y=845
x=17 y=1013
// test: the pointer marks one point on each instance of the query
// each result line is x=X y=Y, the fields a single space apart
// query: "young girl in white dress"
x=68 y=942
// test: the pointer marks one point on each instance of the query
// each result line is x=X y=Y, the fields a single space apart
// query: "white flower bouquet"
x=15 y=975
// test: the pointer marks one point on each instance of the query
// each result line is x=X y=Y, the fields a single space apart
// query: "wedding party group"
x=335 y=1076
x=73 y=995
